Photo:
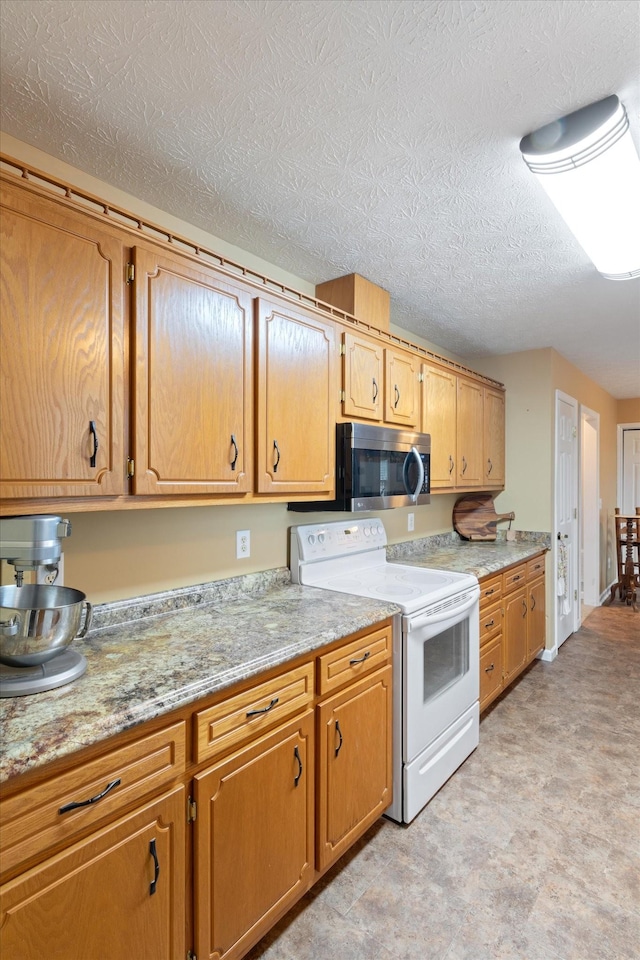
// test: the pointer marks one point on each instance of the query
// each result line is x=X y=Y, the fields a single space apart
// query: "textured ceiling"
x=339 y=136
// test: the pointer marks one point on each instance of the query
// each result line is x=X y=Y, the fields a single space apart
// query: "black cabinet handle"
x=85 y=803
x=253 y=713
x=533 y=604
x=451 y=464
x=94 y=433
x=524 y=608
x=464 y=466
x=375 y=390
x=339 y=732
x=397 y=392
x=489 y=669
x=360 y=659
x=154 y=854
x=488 y=624
x=277 y=460
x=296 y=779
x=490 y=468
x=235 y=453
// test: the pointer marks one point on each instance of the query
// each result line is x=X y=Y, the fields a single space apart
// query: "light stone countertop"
x=181 y=647
x=482 y=558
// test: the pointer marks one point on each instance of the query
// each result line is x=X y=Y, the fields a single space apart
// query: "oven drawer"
x=490 y=622
x=490 y=590
x=36 y=819
x=514 y=577
x=353 y=660
x=233 y=721
x=490 y=672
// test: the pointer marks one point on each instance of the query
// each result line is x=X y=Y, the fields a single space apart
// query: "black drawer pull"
x=489 y=669
x=85 y=803
x=339 y=732
x=156 y=863
x=489 y=623
x=352 y=663
x=254 y=713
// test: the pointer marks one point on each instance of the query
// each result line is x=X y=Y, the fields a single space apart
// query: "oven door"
x=440 y=669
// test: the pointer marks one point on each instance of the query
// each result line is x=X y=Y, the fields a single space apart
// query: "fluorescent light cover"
x=589 y=166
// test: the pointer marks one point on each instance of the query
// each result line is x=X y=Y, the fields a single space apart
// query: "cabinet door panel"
x=493 y=438
x=61 y=301
x=469 y=442
x=537 y=619
x=296 y=401
x=439 y=420
x=193 y=391
x=516 y=612
x=355 y=750
x=401 y=389
x=254 y=839
x=95 y=900
x=363 y=383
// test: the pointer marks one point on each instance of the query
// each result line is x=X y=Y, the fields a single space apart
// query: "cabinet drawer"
x=490 y=622
x=535 y=567
x=490 y=672
x=36 y=819
x=490 y=590
x=354 y=659
x=514 y=577
x=235 y=720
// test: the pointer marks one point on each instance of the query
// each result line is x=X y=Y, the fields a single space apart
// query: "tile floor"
x=530 y=852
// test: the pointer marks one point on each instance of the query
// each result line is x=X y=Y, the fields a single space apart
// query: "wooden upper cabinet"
x=402 y=388
x=192 y=368
x=297 y=392
x=469 y=472
x=494 y=439
x=362 y=377
x=62 y=396
x=439 y=413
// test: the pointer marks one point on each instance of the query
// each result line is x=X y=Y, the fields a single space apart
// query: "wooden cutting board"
x=475 y=517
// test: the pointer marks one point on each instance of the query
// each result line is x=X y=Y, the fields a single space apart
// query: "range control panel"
x=324 y=541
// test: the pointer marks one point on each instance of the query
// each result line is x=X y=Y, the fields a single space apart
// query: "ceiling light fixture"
x=589 y=166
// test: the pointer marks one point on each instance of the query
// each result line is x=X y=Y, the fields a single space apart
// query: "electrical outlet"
x=243 y=544
x=411 y=522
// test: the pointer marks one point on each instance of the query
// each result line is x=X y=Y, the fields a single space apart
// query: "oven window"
x=446 y=659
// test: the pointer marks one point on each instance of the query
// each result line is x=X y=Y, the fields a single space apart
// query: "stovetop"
x=350 y=557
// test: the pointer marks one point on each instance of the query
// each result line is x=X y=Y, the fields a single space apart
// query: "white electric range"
x=436 y=648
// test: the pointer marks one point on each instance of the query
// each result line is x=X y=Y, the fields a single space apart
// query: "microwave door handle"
x=405 y=471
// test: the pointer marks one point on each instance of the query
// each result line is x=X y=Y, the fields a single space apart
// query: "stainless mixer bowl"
x=38 y=621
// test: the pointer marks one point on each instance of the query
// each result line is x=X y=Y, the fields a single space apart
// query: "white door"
x=589 y=510
x=566 y=513
x=630 y=471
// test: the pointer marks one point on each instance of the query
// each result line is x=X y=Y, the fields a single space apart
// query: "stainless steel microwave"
x=377 y=468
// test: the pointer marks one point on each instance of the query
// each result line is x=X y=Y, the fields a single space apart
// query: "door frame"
x=573 y=586
x=621 y=428
x=590 y=537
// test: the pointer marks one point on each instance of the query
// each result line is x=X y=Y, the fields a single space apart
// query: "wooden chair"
x=627 y=546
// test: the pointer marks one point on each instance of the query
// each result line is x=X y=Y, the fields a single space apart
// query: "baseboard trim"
x=548 y=655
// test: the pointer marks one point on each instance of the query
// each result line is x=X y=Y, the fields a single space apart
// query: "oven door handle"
x=426 y=619
x=405 y=474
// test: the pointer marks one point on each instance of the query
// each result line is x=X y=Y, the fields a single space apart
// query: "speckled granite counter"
x=450 y=552
x=150 y=656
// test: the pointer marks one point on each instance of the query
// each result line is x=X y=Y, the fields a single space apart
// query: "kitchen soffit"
x=331 y=137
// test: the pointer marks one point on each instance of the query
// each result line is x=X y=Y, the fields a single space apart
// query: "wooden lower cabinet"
x=515 y=634
x=512 y=625
x=104 y=898
x=354 y=763
x=253 y=843
x=193 y=839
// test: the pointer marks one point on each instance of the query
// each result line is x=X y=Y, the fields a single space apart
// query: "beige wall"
x=629 y=411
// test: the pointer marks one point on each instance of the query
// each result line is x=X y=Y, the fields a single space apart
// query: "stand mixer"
x=38 y=620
